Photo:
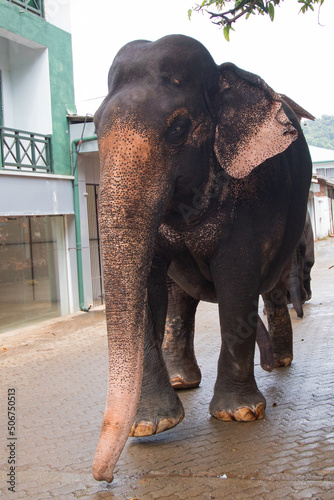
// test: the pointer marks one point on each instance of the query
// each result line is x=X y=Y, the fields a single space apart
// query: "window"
x=32 y=270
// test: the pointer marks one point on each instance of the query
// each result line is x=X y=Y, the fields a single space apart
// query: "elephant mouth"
x=290 y=130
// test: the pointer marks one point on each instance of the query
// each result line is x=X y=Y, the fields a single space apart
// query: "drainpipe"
x=74 y=156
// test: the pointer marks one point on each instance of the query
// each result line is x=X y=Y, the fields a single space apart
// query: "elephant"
x=205 y=176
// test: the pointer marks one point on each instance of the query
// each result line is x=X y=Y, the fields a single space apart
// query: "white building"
x=39 y=271
x=321 y=200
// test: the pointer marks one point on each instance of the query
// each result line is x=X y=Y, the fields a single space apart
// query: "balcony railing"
x=34 y=6
x=25 y=151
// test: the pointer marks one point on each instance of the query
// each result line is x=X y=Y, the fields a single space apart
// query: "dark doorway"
x=94 y=243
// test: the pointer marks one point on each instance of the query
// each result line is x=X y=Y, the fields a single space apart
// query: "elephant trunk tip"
x=102 y=471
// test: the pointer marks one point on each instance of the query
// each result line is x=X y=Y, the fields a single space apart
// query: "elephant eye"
x=178 y=131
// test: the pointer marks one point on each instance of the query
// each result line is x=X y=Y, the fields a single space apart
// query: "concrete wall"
x=38 y=194
x=321 y=209
x=57 y=12
x=322 y=214
x=37 y=80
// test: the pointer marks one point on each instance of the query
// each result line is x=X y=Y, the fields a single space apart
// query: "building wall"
x=43 y=41
x=57 y=12
x=321 y=207
x=35 y=194
x=37 y=219
x=322 y=217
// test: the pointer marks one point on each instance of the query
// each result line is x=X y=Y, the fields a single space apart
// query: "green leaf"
x=271 y=11
x=189 y=14
x=227 y=32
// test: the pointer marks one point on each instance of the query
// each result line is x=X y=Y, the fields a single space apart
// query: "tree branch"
x=246 y=7
x=224 y=15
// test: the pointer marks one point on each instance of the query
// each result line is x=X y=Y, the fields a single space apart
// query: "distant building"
x=321 y=199
x=323 y=161
x=38 y=247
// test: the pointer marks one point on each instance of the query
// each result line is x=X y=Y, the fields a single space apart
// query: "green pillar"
x=75 y=144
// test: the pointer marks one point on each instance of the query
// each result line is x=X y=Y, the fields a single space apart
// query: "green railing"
x=34 y=6
x=26 y=151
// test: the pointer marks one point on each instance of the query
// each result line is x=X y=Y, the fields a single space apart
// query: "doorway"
x=94 y=244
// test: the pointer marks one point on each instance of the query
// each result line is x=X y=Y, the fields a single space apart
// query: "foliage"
x=320 y=133
x=226 y=17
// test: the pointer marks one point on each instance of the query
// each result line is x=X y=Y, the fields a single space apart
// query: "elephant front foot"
x=238 y=407
x=157 y=413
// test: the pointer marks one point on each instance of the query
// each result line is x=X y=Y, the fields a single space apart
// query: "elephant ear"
x=252 y=125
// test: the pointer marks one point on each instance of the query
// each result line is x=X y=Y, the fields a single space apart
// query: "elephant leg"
x=159 y=407
x=295 y=289
x=178 y=346
x=236 y=395
x=264 y=344
x=279 y=321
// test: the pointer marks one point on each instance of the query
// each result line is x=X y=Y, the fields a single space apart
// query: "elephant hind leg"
x=279 y=321
x=265 y=347
x=178 y=346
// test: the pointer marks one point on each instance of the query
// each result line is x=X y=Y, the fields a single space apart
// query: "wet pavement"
x=59 y=371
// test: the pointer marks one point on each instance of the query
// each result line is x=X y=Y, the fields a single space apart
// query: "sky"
x=293 y=54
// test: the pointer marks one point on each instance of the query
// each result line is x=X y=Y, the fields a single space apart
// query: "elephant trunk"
x=131 y=206
x=125 y=302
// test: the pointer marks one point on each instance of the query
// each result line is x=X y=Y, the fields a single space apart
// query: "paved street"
x=59 y=373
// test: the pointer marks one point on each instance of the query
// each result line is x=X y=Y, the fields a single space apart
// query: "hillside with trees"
x=320 y=133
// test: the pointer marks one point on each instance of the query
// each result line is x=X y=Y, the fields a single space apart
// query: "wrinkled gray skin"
x=204 y=177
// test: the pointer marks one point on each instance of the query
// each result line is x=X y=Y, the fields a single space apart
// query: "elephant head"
x=171 y=121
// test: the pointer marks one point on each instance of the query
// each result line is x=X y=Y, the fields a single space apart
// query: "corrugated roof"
x=321 y=155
